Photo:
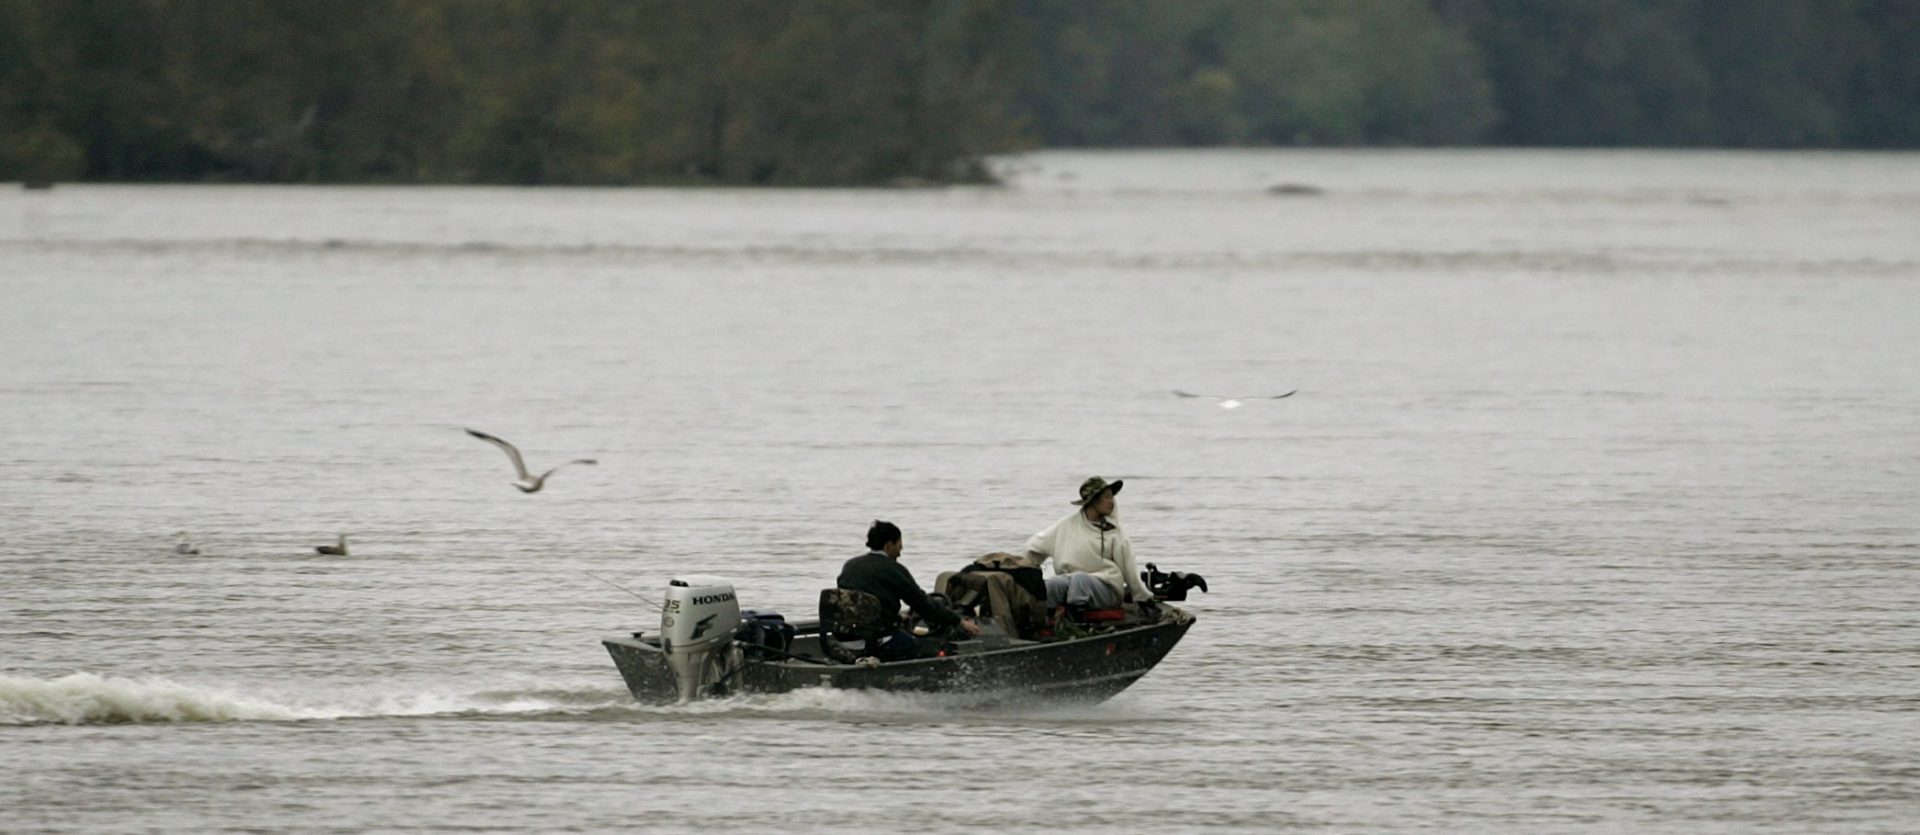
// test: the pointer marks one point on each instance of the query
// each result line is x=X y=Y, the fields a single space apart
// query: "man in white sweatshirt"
x=1092 y=559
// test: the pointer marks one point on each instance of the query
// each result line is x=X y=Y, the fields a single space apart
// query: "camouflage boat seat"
x=848 y=615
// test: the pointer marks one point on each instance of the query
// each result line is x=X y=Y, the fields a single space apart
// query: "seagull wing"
x=543 y=476
x=513 y=454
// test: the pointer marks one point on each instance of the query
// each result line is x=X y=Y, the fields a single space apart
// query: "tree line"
x=813 y=92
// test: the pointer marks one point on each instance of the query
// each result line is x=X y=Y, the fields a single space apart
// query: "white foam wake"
x=89 y=699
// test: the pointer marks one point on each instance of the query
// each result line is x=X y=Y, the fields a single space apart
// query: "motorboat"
x=707 y=648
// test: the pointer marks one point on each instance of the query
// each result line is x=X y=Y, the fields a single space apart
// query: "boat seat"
x=848 y=615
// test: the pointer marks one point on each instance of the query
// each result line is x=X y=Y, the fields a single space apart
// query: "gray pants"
x=1082 y=591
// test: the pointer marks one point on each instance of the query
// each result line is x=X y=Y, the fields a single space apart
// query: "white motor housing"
x=697 y=625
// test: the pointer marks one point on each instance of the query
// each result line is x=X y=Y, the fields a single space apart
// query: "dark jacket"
x=884 y=577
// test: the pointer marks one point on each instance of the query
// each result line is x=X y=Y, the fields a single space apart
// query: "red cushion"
x=1097 y=615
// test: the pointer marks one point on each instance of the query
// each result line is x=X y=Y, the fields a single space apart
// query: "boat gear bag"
x=1024 y=571
x=762 y=631
x=998 y=595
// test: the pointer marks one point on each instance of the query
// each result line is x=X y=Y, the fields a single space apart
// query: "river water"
x=1595 y=512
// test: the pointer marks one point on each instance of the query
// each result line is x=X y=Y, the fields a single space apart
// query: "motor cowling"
x=697 y=625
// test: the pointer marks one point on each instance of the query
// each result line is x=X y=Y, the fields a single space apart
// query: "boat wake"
x=88 y=699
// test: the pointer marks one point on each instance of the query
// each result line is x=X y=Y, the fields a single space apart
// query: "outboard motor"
x=1172 y=586
x=697 y=625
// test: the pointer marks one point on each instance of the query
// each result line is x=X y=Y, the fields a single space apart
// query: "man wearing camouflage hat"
x=1092 y=558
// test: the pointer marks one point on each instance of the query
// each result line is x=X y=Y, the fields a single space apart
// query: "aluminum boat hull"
x=1085 y=669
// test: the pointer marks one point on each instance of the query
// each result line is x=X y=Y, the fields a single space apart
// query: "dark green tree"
x=806 y=92
x=1883 y=86
x=1591 y=72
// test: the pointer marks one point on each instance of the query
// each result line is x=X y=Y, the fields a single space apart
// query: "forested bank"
x=876 y=91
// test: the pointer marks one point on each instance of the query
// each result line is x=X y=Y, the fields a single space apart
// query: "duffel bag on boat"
x=768 y=630
x=1024 y=572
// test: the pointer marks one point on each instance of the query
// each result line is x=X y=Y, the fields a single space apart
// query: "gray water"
x=1595 y=511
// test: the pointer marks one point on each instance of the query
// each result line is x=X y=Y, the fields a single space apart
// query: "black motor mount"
x=1171 y=586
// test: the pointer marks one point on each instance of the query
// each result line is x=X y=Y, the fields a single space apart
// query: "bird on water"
x=338 y=549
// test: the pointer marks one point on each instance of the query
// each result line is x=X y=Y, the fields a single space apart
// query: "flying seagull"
x=528 y=482
x=337 y=550
x=185 y=546
x=1234 y=402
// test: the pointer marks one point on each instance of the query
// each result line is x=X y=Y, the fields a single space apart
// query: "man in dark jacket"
x=879 y=573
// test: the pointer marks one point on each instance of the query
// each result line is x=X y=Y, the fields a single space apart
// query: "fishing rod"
x=636 y=594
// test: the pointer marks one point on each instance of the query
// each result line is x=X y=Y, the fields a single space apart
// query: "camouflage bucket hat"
x=1093 y=487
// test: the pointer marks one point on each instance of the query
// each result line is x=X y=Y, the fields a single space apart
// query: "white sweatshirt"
x=1076 y=544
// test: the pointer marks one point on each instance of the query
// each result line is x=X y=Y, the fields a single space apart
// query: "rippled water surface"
x=1596 y=510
